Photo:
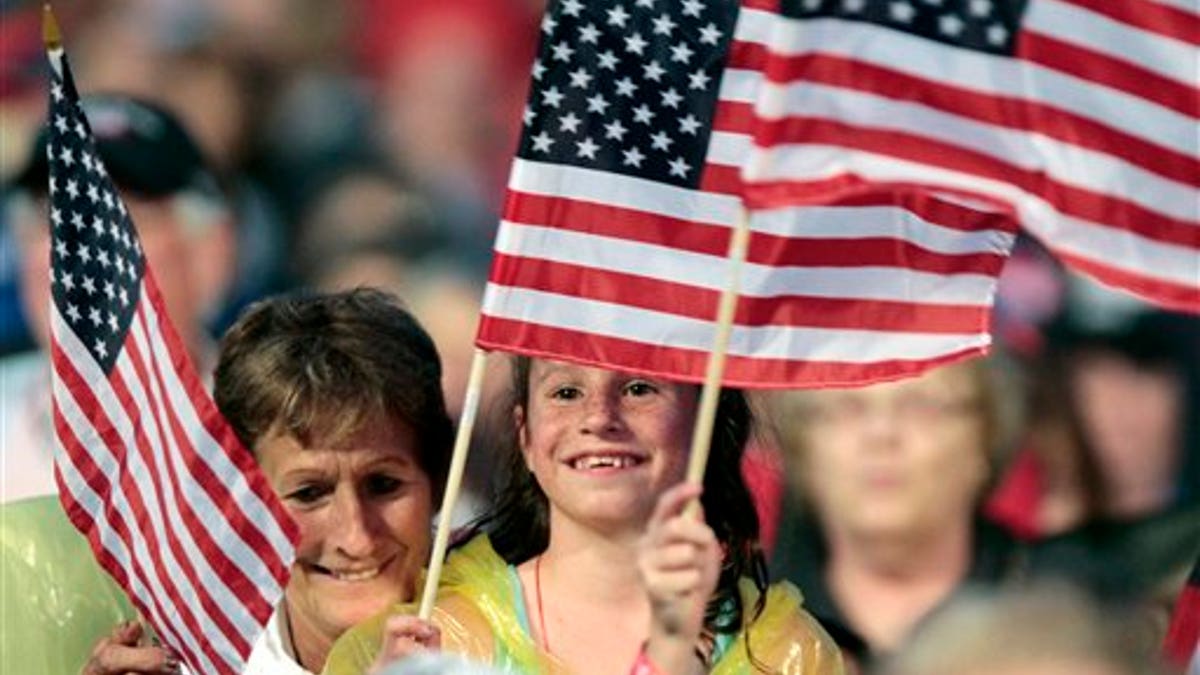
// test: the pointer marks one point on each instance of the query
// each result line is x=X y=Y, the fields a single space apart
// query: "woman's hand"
x=405 y=635
x=680 y=561
x=122 y=654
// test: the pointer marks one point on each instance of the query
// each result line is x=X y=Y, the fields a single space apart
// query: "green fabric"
x=55 y=600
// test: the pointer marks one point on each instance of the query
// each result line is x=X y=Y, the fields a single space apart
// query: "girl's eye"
x=379 y=485
x=565 y=393
x=640 y=388
x=308 y=494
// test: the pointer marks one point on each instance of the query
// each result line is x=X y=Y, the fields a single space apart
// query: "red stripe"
x=1003 y=111
x=106 y=429
x=1099 y=208
x=768 y=249
x=542 y=341
x=221 y=432
x=1178 y=297
x=700 y=303
x=719 y=179
x=1183 y=637
x=766 y=5
x=1149 y=16
x=235 y=579
x=1119 y=74
x=87 y=526
x=171 y=490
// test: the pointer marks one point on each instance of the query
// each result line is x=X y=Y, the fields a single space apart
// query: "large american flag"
x=625 y=189
x=147 y=468
x=1081 y=116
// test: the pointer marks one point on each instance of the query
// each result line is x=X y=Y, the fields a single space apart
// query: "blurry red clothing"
x=1016 y=501
x=762 y=469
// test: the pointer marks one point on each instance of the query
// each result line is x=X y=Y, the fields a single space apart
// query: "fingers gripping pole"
x=458 y=462
x=709 y=395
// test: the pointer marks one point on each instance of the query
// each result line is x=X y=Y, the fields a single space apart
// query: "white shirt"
x=271 y=654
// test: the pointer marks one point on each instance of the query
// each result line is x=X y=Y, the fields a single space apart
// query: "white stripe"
x=1171 y=58
x=729 y=149
x=754 y=25
x=87 y=498
x=1157 y=260
x=217 y=458
x=708 y=271
x=740 y=86
x=858 y=222
x=604 y=187
x=995 y=75
x=90 y=438
x=1066 y=163
x=194 y=495
x=657 y=328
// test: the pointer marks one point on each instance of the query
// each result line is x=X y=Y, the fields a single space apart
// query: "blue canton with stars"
x=981 y=25
x=628 y=86
x=96 y=261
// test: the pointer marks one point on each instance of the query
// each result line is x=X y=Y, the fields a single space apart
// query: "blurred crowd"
x=366 y=142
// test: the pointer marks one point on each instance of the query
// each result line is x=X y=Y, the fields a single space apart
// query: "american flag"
x=1182 y=645
x=1081 y=116
x=625 y=189
x=148 y=470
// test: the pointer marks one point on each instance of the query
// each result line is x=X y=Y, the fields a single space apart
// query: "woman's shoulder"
x=784 y=637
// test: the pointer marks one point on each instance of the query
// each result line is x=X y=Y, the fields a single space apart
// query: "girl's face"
x=364 y=508
x=603 y=444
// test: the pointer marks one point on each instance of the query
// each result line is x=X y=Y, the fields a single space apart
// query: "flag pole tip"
x=50 y=32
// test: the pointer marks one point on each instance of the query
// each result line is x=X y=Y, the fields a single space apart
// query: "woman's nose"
x=353 y=529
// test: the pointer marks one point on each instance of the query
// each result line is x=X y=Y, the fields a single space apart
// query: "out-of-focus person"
x=1041 y=630
x=185 y=229
x=884 y=524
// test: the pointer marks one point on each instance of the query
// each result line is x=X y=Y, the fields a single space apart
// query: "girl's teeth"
x=356 y=576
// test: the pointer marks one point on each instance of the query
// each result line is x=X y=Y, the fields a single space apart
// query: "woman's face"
x=904 y=458
x=364 y=509
x=602 y=444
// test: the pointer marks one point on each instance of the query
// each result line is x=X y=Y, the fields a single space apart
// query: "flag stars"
x=93 y=193
x=997 y=34
x=812 y=5
x=692 y=8
x=538 y=70
x=643 y=114
x=98 y=226
x=56 y=91
x=77 y=221
x=617 y=16
x=681 y=53
x=60 y=247
x=562 y=52
x=60 y=123
x=614 y=130
x=100 y=348
x=542 y=142
x=89 y=285
x=710 y=35
x=55 y=216
x=648 y=4
x=660 y=141
x=110 y=291
x=980 y=8
x=671 y=99
x=689 y=125
x=586 y=148
x=552 y=97
x=123 y=294
x=698 y=80
x=569 y=122
x=663 y=25
x=67 y=158
x=951 y=25
x=72 y=188
x=73 y=313
x=626 y=87
x=653 y=71
x=608 y=60
x=589 y=34
x=901 y=12
x=636 y=44
x=528 y=115
x=549 y=24
x=84 y=253
x=102 y=258
x=597 y=104
x=67 y=280
x=572 y=8
x=112 y=323
x=679 y=167
x=580 y=79
x=94 y=317
x=80 y=129
x=632 y=157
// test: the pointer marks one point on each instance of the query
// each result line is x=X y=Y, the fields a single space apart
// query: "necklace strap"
x=537 y=584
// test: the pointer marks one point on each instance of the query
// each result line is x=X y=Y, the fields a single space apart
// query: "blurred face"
x=364 y=510
x=903 y=458
x=191 y=271
x=1132 y=415
x=603 y=444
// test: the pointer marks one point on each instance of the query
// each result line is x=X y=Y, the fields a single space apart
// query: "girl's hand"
x=405 y=635
x=121 y=653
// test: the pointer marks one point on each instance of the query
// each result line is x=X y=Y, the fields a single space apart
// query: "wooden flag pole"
x=739 y=242
x=458 y=462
